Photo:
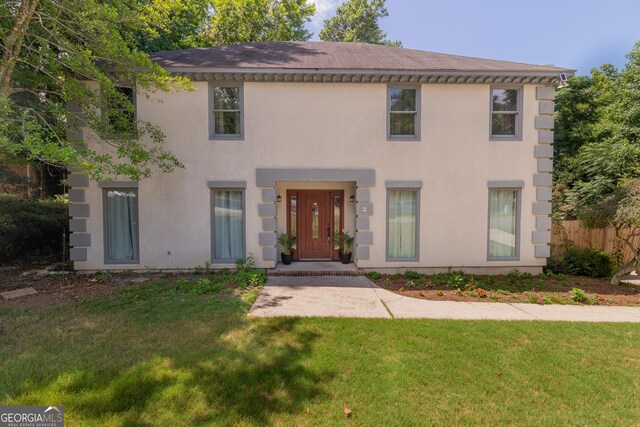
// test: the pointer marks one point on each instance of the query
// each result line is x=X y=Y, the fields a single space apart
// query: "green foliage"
x=412 y=274
x=59 y=48
x=30 y=227
x=248 y=21
x=598 y=146
x=287 y=242
x=344 y=241
x=357 y=21
x=102 y=276
x=582 y=262
x=579 y=296
x=453 y=279
x=373 y=275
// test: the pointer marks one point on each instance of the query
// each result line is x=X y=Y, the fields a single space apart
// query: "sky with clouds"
x=578 y=34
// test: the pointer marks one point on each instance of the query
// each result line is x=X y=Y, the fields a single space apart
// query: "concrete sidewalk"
x=358 y=297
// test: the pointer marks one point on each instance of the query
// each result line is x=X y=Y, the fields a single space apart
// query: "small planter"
x=286 y=259
x=345 y=258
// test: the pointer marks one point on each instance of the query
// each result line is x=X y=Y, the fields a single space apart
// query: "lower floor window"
x=228 y=225
x=503 y=223
x=402 y=226
x=121 y=225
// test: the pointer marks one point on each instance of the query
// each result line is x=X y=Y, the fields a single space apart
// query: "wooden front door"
x=316 y=217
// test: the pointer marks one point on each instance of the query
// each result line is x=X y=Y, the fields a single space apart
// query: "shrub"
x=582 y=262
x=31 y=227
x=580 y=296
x=412 y=275
x=373 y=275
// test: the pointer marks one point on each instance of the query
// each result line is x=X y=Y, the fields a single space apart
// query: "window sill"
x=403 y=138
x=226 y=138
x=505 y=138
x=511 y=258
x=403 y=260
x=122 y=262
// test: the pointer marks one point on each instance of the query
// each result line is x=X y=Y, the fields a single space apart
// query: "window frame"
x=134 y=100
x=212 y=111
x=388 y=257
x=417 y=113
x=518 y=190
x=518 y=114
x=129 y=188
x=212 y=190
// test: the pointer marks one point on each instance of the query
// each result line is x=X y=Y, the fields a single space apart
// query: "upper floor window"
x=119 y=114
x=403 y=113
x=226 y=117
x=506 y=113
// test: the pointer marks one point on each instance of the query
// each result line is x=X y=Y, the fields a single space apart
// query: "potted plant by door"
x=344 y=241
x=287 y=243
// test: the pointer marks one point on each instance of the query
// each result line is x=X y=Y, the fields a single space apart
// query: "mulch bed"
x=533 y=290
x=55 y=290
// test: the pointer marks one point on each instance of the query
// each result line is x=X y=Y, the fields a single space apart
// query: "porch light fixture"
x=352 y=199
x=279 y=198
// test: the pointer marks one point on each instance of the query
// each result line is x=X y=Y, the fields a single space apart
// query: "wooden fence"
x=584 y=238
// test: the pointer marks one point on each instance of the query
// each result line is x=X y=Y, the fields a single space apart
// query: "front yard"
x=182 y=352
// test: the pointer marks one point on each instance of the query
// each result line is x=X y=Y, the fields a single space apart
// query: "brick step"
x=275 y=273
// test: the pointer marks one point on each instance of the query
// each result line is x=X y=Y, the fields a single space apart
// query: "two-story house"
x=430 y=160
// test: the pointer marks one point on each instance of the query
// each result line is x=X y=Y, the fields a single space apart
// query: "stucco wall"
x=317 y=125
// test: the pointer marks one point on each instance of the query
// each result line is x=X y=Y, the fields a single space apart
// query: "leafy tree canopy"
x=598 y=149
x=64 y=63
x=357 y=21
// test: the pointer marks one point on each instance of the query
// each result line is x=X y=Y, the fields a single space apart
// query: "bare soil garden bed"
x=513 y=288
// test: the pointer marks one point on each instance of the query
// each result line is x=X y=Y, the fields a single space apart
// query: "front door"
x=315 y=216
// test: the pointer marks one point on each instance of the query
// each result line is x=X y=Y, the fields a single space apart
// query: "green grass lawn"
x=160 y=356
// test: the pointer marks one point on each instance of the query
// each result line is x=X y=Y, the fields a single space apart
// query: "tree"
x=247 y=21
x=598 y=169
x=357 y=21
x=51 y=49
x=67 y=63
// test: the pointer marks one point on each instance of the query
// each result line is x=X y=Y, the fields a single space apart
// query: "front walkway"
x=358 y=297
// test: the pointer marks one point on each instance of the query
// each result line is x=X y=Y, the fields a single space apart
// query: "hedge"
x=31 y=228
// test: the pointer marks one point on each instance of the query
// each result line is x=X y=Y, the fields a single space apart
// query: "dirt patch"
x=58 y=289
x=511 y=289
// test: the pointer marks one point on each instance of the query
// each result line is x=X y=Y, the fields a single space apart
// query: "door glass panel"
x=315 y=221
x=336 y=218
x=294 y=217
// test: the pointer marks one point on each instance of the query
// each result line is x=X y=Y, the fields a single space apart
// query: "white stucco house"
x=430 y=160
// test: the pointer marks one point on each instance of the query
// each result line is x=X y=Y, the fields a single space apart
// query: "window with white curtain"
x=503 y=223
x=402 y=224
x=228 y=225
x=121 y=225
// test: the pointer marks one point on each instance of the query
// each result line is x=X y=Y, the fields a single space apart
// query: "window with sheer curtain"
x=402 y=226
x=121 y=225
x=228 y=225
x=503 y=223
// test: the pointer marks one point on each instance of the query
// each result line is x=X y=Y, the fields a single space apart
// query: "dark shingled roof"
x=335 y=56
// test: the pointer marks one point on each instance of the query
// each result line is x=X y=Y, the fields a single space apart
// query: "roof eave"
x=370 y=75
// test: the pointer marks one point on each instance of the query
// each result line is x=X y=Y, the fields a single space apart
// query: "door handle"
x=328 y=232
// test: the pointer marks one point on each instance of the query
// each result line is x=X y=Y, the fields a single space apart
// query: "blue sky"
x=578 y=34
